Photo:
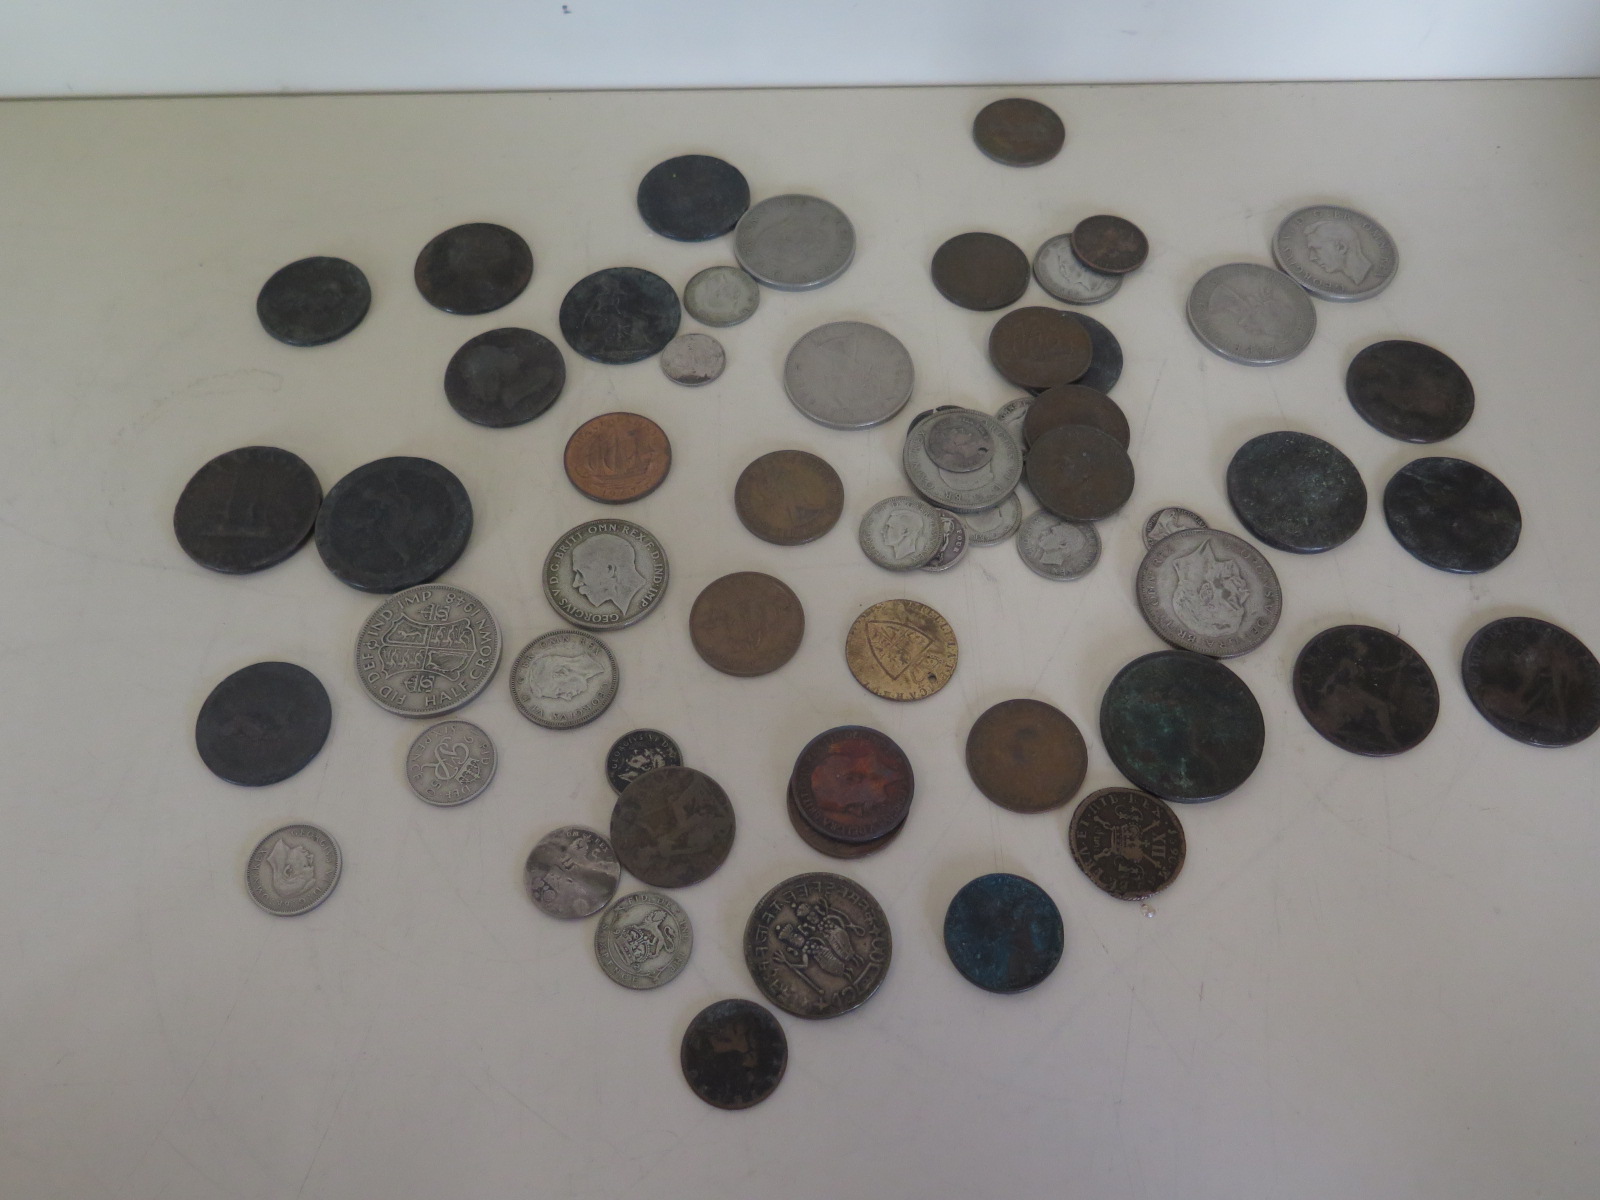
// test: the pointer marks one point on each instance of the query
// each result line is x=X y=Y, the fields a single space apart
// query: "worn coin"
x=981 y=271
x=693 y=198
x=963 y=491
x=292 y=870
x=1208 y=591
x=746 y=623
x=1296 y=492
x=632 y=754
x=1076 y=404
x=788 y=497
x=848 y=375
x=1111 y=245
x=617 y=457
x=1003 y=933
x=1409 y=391
x=450 y=763
x=1452 y=515
x=794 y=243
x=564 y=679
x=721 y=296
x=1019 y=132
x=693 y=359
x=571 y=872
x=314 y=301
x=1066 y=277
x=952 y=544
x=605 y=574
x=960 y=441
x=1129 y=843
x=620 y=315
x=643 y=940
x=1026 y=755
x=1365 y=690
x=818 y=945
x=994 y=525
x=1105 y=354
x=1013 y=414
x=1038 y=347
x=247 y=510
x=853 y=784
x=1079 y=473
x=473 y=269
x=1167 y=521
x=900 y=533
x=393 y=523
x=733 y=1054
x=427 y=651
x=1057 y=548
x=1251 y=314
x=901 y=650
x=1336 y=253
x=672 y=826
x=833 y=847
x=928 y=414
x=505 y=377
x=263 y=723
x=1533 y=681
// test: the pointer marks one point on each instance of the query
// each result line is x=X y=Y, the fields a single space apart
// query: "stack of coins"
x=850 y=791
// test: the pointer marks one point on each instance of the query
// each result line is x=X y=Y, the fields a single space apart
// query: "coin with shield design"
x=643 y=940
x=428 y=651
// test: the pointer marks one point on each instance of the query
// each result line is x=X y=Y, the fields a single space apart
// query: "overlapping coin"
x=571 y=872
x=672 y=826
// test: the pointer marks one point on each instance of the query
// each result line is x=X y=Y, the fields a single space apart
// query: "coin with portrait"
x=564 y=679
x=617 y=457
x=605 y=574
x=293 y=869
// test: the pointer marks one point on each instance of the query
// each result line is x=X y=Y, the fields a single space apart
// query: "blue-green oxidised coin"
x=1003 y=933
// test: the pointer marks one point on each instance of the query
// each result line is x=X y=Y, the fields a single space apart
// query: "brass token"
x=1038 y=347
x=1026 y=755
x=788 y=497
x=746 y=623
x=617 y=457
x=901 y=650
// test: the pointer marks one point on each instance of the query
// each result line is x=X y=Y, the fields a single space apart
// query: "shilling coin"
x=247 y=510
x=1076 y=404
x=620 y=315
x=1452 y=515
x=994 y=525
x=980 y=271
x=853 y=784
x=393 y=523
x=1019 y=132
x=450 y=763
x=963 y=491
x=1056 y=548
x=693 y=198
x=1066 y=277
x=1208 y=591
x=1013 y=414
x=263 y=723
x=1251 y=314
x=605 y=574
x=818 y=945
x=746 y=623
x=1079 y=473
x=505 y=377
x=427 y=651
x=1026 y=755
x=1336 y=253
x=733 y=1054
x=833 y=847
x=960 y=441
x=1111 y=245
x=1128 y=843
x=1533 y=681
x=794 y=243
x=1409 y=391
x=1166 y=521
x=1003 y=933
x=473 y=269
x=672 y=826
x=722 y=296
x=848 y=375
x=571 y=872
x=1365 y=690
x=693 y=359
x=632 y=754
x=1105 y=354
x=292 y=870
x=313 y=301
x=788 y=497
x=901 y=650
x=901 y=533
x=564 y=679
x=1038 y=347
x=617 y=457
x=643 y=940
x=1296 y=492
x=952 y=546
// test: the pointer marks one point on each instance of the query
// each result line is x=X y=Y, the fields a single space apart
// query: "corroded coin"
x=564 y=679
x=643 y=940
x=617 y=457
x=818 y=945
x=1019 y=132
x=247 y=510
x=833 y=847
x=632 y=754
x=605 y=574
x=1038 y=347
x=693 y=197
x=1205 y=590
x=1112 y=245
x=794 y=243
x=1251 y=314
x=1128 y=843
x=721 y=296
x=450 y=763
x=853 y=784
x=848 y=375
x=733 y=1054
x=314 y=301
x=427 y=651
x=952 y=545
x=788 y=497
x=1076 y=404
x=980 y=271
x=1105 y=354
x=1166 y=521
x=900 y=533
x=620 y=315
x=1067 y=277
x=1452 y=515
x=986 y=485
x=1409 y=391
x=693 y=359
x=672 y=826
x=1365 y=690
x=473 y=269
x=292 y=870
x=1079 y=473
x=1057 y=548
x=505 y=377
x=960 y=441
x=393 y=523
x=1336 y=253
x=1533 y=681
x=571 y=872
x=901 y=650
x=746 y=623
x=994 y=525
x=1003 y=933
x=263 y=723
x=1296 y=492
x=1026 y=755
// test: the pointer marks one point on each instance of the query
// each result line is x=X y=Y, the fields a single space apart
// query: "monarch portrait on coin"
x=1335 y=246
x=605 y=569
x=291 y=869
x=563 y=676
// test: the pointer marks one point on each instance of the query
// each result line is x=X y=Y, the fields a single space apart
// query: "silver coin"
x=1251 y=314
x=450 y=763
x=427 y=651
x=1166 y=521
x=293 y=869
x=605 y=574
x=1011 y=416
x=1058 y=549
x=1061 y=273
x=722 y=296
x=959 y=441
x=964 y=491
x=818 y=945
x=848 y=375
x=901 y=533
x=1208 y=591
x=693 y=359
x=952 y=544
x=994 y=525
x=1336 y=253
x=564 y=679
x=571 y=872
x=644 y=940
x=793 y=242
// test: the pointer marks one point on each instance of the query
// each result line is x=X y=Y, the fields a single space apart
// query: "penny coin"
x=852 y=784
x=314 y=301
x=1128 y=843
x=1452 y=515
x=247 y=510
x=1166 y=521
x=952 y=545
x=1208 y=591
x=605 y=574
x=505 y=377
x=1040 y=347
x=263 y=723
x=981 y=271
x=848 y=375
x=794 y=243
x=1409 y=391
x=901 y=650
x=1365 y=690
x=643 y=940
x=474 y=269
x=960 y=441
x=901 y=533
x=721 y=296
x=617 y=457
x=450 y=763
x=693 y=359
x=994 y=525
x=1296 y=492
x=733 y=1054
x=1026 y=755
x=693 y=198
x=1533 y=681
x=1003 y=933
x=1251 y=314
x=1065 y=276
x=1012 y=415
x=393 y=523
x=571 y=872
x=818 y=945
x=292 y=870
x=963 y=491
x=672 y=826
x=1079 y=473
x=1057 y=548
x=632 y=754
x=1182 y=726
x=788 y=497
x=428 y=651
x=833 y=847
x=1111 y=245
x=564 y=679
x=620 y=315
x=1336 y=253
x=1105 y=354
x=746 y=623
x=1019 y=132
x=1075 y=404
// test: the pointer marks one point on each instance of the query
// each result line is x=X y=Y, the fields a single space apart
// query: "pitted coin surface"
x=1003 y=933
x=1208 y=591
x=1336 y=253
x=617 y=457
x=693 y=359
x=1076 y=404
x=721 y=296
x=632 y=754
x=818 y=945
x=247 y=510
x=605 y=574
x=1533 y=681
x=393 y=523
x=314 y=301
x=746 y=623
x=1067 y=277
x=473 y=269
x=994 y=525
x=672 y=826
x=1079 y=473
x=571 y=872
x=1109 y=244
x=564 y=679
x=980 y=271
x=960 y=441
x=952 y=545
x=984 y=486
x=1251 y=314
x=1129 y=843
x=263 y=723
x=733 y=1054
x=1105 y=354
x=1026 y=755
x=450 y=763
x=853 y=784
x=643 y=940
x=505 y=377
x=1296 y=492
x=1019 y=132
x=900 y=533
x=1409 y=391
x=1452 y=515
x=1057 y=548
x=848 y=375
x=1038 y=347
x=789 y=497
x=693 y=198
x=794 y=243
x=293 y=869
x=1365 y=690
x=620 y=315
x=1166 y=521
x=428 y=651
x=901 y=650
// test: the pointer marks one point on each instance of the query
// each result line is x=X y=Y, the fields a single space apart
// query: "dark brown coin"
x=853 y=784
x=263 y=723
x=833 y=847
x=733 y=1054
x=505 y=377
x=620 y=315
x=1533 y=681
x=1409 y=391
x=672 y=826
x=1365 y=690
x=1079 y=473
x=980 y=271
x=617 y=457
x=247 y=510
x=788 y=497
x=1109 y=244
x=313 y=301
x=746 y=623
x=1105 y=357
x=394 y=523
x=474 y=269
x=693 y=198
x=1075 y=404
x=1026 y=755
x=1128 y=843
x=1452 y=515
x=1019 y=132
x=1040 y=347
x=632 y=754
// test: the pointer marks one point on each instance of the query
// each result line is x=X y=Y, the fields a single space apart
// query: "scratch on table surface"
x=327 y=1125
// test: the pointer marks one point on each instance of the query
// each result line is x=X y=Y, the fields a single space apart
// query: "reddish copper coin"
x=746 y=623
x=1111 y=245
x=1075 y=404
x=852 y=784
x=617 y=457
x=1027 y=756
x=980 y=271
x=833 y=847
x=1037 y=347
x=788 y=497
x=1079 y=473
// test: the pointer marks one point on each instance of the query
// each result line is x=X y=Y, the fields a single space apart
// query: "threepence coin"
x=564 y=679
x=1056 y=548
x=818 y=945
x=794 y=243
x=632 y=754
x=571 y=872
x=1209 y=591
x=263 y=723
x=1026 y=755
x=617 y=457
x=247 y=510
x=505 y=377
x=848 y=375
x=1251 y=314
x=1296 y=492
x=672 y=826
x=788 y=497
x=901 y=650
x=733 y=1054
x=473 y=269
x=1066 y=277
x=1336 y=253
x=1127 y=842
x=1166 y=521
x=1019 y=132
x=292 y=870
x=393 y=523
x=643 y=940
x=1365 y=690
x=721 y=296
x=450 y=763
x=428 y=651
x=1533 y=681
x=693 y=359
x=900 y=533
x=605 y=574
x=1003 y=933
x=314 y=301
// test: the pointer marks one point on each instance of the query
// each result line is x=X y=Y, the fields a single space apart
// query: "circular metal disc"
x=848 y=375
x=733 y=1054
x=721 y=296
x=1105 y=354
x=1003 y=933
x=620 y=315
x=901 y=650
x=1365 y=690
x=693 y=198
x=263 y=723
x=293 y=869
x=571 y=872
x=1111 y=245
x=794 y=243
x=693 y=359
x=1336 y=253
x=632 y=754
x=1296 y=492
x=1055 y=548
x=505 y=377
x=473 y=269
x=960 y=441
x=450 y=763
x=788 y=497
x=247 y=510
x=1019 y=132
x=1251 y=314
x=1409 y=391
x=606 y=574
x=564 y=679
x=1128 y=843
x=852 y=784
x=1066 y=277
x=1039 y=347
x=1208 y=591
x=833 y=847
x=1166 y=521
x=1026 y=755
x=1076 y=404
x=1533 y=681
x=428 y=650
x=617 y=457
x=643 y=940
x=746 y=624
x=393 y=523
x=1452 y=515
x=313 y=301
x=1079 y=473
x=672 y=827
x=818 y=945
x=980 y=271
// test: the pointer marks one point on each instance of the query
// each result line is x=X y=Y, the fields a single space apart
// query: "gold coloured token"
x=901 y=650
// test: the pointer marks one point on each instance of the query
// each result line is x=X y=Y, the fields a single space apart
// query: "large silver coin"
x=450 y=763
x=964 y=491
x=721 y=296
x=1167 y=521
x=428 y=651
x=952 y=543
x=571 y=872
x=1336 y=253
x=1208 y=591
x=1058 y=549
x=563 y=680
x=818 y=945
x=848 y=375
x=994 y=525
x=693 y=359
x=901 y=533
x=1012 y=414
x=793 y=242
x=605 y=574
x=1061 y=273
x=644 y=940
x=293 y=869
x=1251 y=314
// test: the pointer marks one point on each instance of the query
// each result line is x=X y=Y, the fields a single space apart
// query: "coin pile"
x=850 y=791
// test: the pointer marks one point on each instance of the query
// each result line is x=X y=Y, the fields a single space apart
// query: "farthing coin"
x=313 y=301
x=571 y=872
x=848 y=375
x=1129 y=843
x=1003 y=933
x=605 y=574
x=505 y=377
x=1056 y=548
x=721 y=296
x=980 y=271
x=1336 y=253
x=960 y=441
x=788 y=497
x=428 y=651
x=1026 y=755
x=1112 y=245
x=1208 y=591
x=853 y=784
x=1039 y=347
x=292 y=870
x=900 y=533
x=263 y=723
x=1067 y=277
x=643 y=940
x=1076 y=404
x=564 y=679
x=450 y=763
x=1365 y=690
x=1409 y=391
x=833 y=847
x=693 y=359
x=1013 y=414
x=964 y=491
x=901 y=650
x=617 y=457
x=818 y=945
x=794 y=243
x=733 y=1054
x=952 y=546
x=620 y=315
x=1105 y=354
x=1533 y=681
x=247 y=510
x=1079 y=473
x=632 y=754
x=1166 y=521
x=672 y=826
x=693 y=198
x=1452 y=515
x=393 y=523
x=474 y=268
x=746 y=623
x=1019 y=132
x=1251 y=314
x=994 y=525
x=1296 y=492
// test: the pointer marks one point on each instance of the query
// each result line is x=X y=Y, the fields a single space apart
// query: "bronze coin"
x=1109 y=244
x=901 y=650
x=1075 y=404
x=1409 y=391
x=733 y=1054
x=852 y=784
x=617 y=457
x=833 y=847
x=1365 y=690
x=1026 y=755
x=980 y=271
x=1079 y=473
x=1128 y=843
x=1019 y=132
x=672 y=826
x=1533 y=681
x=1038 y=347
x=788 y=497
x=473 y=269
x=746 y=623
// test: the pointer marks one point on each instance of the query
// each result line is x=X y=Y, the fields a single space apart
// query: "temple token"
x=313 y=301
x=617 y=457
x=901 y=650
x=672 y=826
x=247 y=510
x=1003 y=933
x=788 y=497
x=733 y=1054
x=1111 y=245
x=1128 y=843
x=1079 y=473
x=473 y=269
x=263 y=723
x=818 y=945
x=393 y=523
x=1296 y=492
x=1365 y=690
x=1452 y=515
x=1019 y=132
x=693 y=198
x=1409 y=391
x=746 y=623
x=1026 y=755
x=505 y=377
x=980 y=271
x=852 y=784
x=1040 y=347
x=1533 y=681
x=620 y=315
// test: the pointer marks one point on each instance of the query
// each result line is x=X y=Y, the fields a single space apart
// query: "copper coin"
x=1128 y=843
x=901 y=650
x=1109 y=244
x=833 y=847
x=1533 y=681
x=617 y=457
x=1079 y=473
x=474 y=268
x=1365 y=690
x=672 y=826
x=1019 y=132
x=788 y=497
x=733 y=1054
x=1409 y=391
x=746 y=623
x=1038 y=347
x=1075 y=404
x=1026 y=755
x=981 y=271
x=852 y=784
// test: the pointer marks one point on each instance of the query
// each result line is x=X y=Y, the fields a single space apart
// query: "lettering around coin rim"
x=818 y=945
x=733 y=1054
x=571 y=872
x=428 y=651
x=588 y=660
x=1129 y=843
x=1003 y=933
x=1365 y=690
x=1220 y=597
x=645 y=951
x=1533 y=681
x=276 y=875
x=462 y=766
x=632 y=592
x=634 y=753
x=901 y=650
x=247 y=509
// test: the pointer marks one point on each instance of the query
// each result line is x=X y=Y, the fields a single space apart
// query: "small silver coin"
x=450 y=763
x=848 y=375
x=1166 y=521
x=959 y=441
x=564 y=679
x=605 y=574
x=643 y=940
x=994 y=525
x=1208 y=591
x=964 y=491
x=693 y=359
x=427 y=651
x=794 y=243
x=901 y=533
x=293 y=869
x=1251 y=314
x=1011 y=416
x=952 y=544
x=1336 y=253
x=1061 y=273
x=722 y=296
x=1056 y=548
x=571 y=872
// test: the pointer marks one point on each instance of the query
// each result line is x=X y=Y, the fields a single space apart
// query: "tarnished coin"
x=746 y=623
x=818 y=945
x=853 y=784
x=963 y=491
x=693 y=359
x=247 y=510
x=632 y=754
x=848 y=375
x=1003 y=933
x=1251 y=314
x=1013 y=414
x=450 y=763
x=314 y=301
x=605 y=574
x=1056 y=548
x=1336 y=253
x=794 y=243
x=473 y=269
x=833 y=847
x=693 y=198
x=788 y=497
x=928 y=414
x=1533 y=681
x=1105 y=354
x=505 y=377
x=672 y=826
x=960 y=441
x=1166 y=521
x=901 y=533
x=1409 y=391
x=1182 y=726
x=620 y=315
x=733 y=1054
x=1038 y=347
x=1208 y=591
x=1019 y=132
x=564 y=679
x=980 y=271
x=1365 y=690
x=1111 y=245
x=952 y=545
x=1452 y=515
x=994 y=525
x=571 y=872
x=292 y=870
x=263 y=723
x=617 y=457
x=427 y=651
x=1026 y=755
x=1079 y=473
x=1128 y=843
x=1076 y=404
x=1067 y=277
x=721 y=296
x=393 y=523
x=643 y=940
x=901 y=650
x=1296 y=492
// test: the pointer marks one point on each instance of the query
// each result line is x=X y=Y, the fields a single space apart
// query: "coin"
x=1251 y=314
x=263 y=723
x=1003 y=933
x=788 y=497
x=1409 y=391
x=693 y=359
x=605 y=574
x=693 y=198
x=818 y=945
x=1533 y=681
x=1111 y=245
x=1208 y=591
x=833 y=847
x=1039 y=347
x=1079 y=473
x=1365 y=690
x=473 y=269
x=620 y=315
x=1075 y=404
x=794 y=243
x=900 y=533
x=247 y=509
x=564 y=679
x=1167 y=521
x=672 y=826
x=292 y=870
x=632 y=754
x=1452 y=515
x=994 y=525
x=1019 y=132
x=505 y=377
x=1105 y=354
x=746 y=623
x=1026 y=755
x=571 y=872
x=852 y=784
x=721 y=296
x=1013 y=414
x=960 y=441
x=928 y=414
x=1057 y=548
x=617 y=457
x=848 y=375
x=963 y=491
x=1296 y=492
x=1128 y=843
x=428 y=651
x=901 y=650
x=450 y=763
x=1336 y=253
x=314 y=301
x=733 y=1054
x=1066 y=277
x=981 y=271
x=952 y=544
x=1182 y=726
x=393 y=523
x=643 y=940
